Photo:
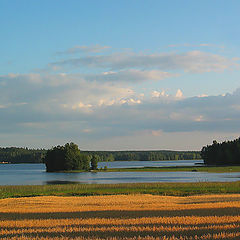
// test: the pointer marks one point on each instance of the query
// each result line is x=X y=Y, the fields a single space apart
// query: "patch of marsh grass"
x=171 y=189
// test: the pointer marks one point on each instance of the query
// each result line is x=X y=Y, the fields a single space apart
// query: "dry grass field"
x=121 y=217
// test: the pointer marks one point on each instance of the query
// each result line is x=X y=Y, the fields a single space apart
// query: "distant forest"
x=25 y=155
x=21 y=155
x=145 y=155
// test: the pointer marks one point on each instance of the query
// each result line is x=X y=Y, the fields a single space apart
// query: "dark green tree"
x=65 y=158
x=94 y=162
x=225 y=153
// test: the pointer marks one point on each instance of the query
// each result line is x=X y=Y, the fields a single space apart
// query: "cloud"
x=81 y=106
x=123 y=76
x=163 y=94
x=84 y=49
x=157 y=94
x=63 y=106
x=52 y=92
x=179 y=94
x=131 y=75
x=193 y=61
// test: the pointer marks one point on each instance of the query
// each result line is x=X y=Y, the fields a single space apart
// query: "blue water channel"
x=35 y=174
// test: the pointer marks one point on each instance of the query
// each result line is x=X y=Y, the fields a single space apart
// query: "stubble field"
x=121 y=217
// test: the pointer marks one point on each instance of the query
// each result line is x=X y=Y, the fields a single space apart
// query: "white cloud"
x=134 y=101
x=157 y=94
x=179 y=94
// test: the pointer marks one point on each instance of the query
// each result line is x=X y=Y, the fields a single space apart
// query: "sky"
x=119 y=75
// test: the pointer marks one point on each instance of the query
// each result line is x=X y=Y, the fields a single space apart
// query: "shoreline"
x=197 y=168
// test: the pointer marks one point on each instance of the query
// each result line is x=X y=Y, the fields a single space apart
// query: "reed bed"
x=113 y=217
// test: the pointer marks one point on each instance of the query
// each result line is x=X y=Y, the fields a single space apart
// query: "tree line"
x=225 y=153
x=25 y=155
x=145 y=155
x=21 y=155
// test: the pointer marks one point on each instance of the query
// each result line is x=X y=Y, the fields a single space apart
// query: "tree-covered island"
x=68 y=158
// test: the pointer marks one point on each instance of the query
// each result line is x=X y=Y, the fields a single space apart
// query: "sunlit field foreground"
x=121 y=217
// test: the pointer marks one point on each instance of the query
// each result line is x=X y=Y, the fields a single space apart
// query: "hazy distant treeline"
x=145 y=155
x=25 y=155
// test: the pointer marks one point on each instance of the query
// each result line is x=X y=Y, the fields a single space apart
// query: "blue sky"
x=119 y=74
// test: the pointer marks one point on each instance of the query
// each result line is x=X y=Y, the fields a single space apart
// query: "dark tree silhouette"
x=225 y=153
x=65 y=158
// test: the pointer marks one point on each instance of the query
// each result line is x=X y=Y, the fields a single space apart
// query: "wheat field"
x=121 y=217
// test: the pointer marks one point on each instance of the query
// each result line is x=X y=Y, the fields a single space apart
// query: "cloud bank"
x=65 y=106
x=193 y=61
x=113 y=98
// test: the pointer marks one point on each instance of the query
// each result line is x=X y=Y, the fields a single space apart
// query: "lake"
x=35 y=174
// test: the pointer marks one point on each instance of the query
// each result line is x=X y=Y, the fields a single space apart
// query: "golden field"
x=121 y=217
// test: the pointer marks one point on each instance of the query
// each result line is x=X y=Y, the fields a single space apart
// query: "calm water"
x=35 y=174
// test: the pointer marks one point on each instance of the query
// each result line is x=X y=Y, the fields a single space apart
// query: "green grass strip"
x=171 y=189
